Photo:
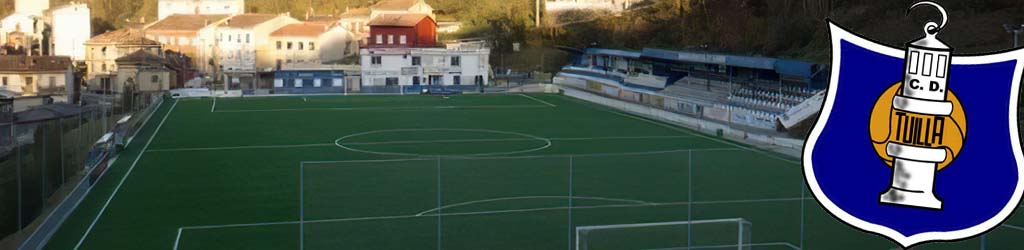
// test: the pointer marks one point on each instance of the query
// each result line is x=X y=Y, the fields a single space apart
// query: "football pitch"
x=462 y=172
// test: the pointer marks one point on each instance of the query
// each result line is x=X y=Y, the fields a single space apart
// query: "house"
x=356 y=21
x=103 y=50
x=71 y=27
x=166 y=8
x=141 y=71
x=609 y=5
x=402 y=30
x=30 y=26
x=191 y=35
x=403 y=51
x=244 y=49
x=401 y=7
x=35 y=75
x=312 y=43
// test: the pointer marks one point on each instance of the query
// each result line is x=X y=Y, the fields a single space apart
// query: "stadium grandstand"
x=755 y=92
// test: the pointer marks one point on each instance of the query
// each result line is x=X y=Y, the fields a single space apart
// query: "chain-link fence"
x=46 y=151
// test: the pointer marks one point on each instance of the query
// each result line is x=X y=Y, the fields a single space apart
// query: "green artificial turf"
x=466 y=172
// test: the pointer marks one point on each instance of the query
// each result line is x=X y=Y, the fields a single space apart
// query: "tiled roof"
x=322 y=19
x=140 y=56
x=34 y=63
x=356 y=13
x=395 y=4
x=179 y=22
x=247 y=20
x=123 y=37
x=301 y=30
x=399 y=20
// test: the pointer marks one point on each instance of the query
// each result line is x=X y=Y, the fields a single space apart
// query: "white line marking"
x=389 y=108
x=1013 y=227
x=125 y=177
x=242 y=147
x=414 y=142
x=513 y=139
x=785 y=244
x=530 y=197
x=651 y=204
x=177 y=239
x=538 y=100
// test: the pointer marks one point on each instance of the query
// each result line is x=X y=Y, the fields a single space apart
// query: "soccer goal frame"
x=743 y=235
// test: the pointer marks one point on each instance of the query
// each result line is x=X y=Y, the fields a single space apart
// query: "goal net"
x=723 y=234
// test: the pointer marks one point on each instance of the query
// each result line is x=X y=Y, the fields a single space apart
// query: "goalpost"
x=733 y=233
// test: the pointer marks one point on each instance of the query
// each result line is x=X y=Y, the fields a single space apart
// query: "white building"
x=71 y=29
x=610 y=5
x=31 y=25
x=244 y=39
x=199 y=7
x=312 y=43
x=458 y=64
x=31 y=7
x=401 y=7
x=244 y=47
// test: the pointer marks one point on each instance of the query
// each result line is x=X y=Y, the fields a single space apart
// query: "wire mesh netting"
x=44 y=154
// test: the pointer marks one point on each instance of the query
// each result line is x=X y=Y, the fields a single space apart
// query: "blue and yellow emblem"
x=917 y=144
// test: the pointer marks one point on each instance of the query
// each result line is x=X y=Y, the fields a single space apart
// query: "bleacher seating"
x=766 y=101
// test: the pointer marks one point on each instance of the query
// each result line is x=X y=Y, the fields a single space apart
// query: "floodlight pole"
x=1016 y=30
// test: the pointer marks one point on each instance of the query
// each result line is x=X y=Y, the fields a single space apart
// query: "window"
x=300 y=45
x=457 y=80
x=401 y=39
x=5 y=81
x=375 y=60
x=289 y=45
x=380 y=39
x=417 y=61
x=28 y=81
x=155 y=79
x=456 y=61
x=53 y=82
x=247 y=38
x=104 y=68
x=312 y=46
x=278 y=45
x=391 y=81
x=391 y=39
x=229 y=37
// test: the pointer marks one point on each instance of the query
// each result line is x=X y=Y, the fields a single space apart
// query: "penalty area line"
x=392 y=217
x=413 y=108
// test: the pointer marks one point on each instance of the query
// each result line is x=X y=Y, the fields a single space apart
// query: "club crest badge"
x=917 y=144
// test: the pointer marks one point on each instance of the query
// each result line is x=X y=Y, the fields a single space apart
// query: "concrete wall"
x=788 y=146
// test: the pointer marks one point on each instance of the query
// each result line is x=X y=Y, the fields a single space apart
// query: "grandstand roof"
x=613 y=52
x=782 y=66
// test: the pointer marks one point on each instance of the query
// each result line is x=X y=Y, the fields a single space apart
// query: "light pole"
x=1016 y=30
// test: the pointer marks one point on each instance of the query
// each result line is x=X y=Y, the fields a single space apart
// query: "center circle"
x=417 y=141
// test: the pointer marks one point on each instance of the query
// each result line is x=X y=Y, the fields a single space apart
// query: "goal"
x=733 y=233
